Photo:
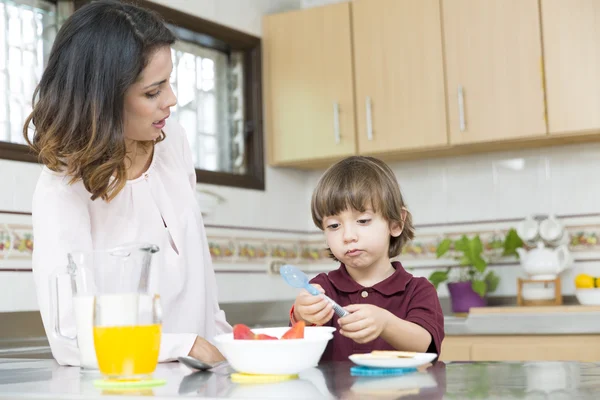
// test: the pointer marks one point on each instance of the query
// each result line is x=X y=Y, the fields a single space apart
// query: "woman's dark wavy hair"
x=98 y=53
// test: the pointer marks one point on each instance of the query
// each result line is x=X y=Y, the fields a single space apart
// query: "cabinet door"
x=400 y=95
x=456 y=348
x=494 y=72
x=309 y=96
x=571 y=35
x=584 y=348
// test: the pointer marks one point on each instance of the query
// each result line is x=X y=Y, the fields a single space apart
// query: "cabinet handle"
x=336 y=122
x=461 y=108
x=369 y=119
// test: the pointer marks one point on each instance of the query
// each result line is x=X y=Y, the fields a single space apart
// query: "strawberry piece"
x=242 y=332
x=263 y=336
x=295 y=332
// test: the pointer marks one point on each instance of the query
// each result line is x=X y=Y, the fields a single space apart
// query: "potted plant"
x=470 y=281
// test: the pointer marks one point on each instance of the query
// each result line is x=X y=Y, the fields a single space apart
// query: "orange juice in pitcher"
x=127 y=351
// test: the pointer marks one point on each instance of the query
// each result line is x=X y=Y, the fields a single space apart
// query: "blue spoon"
x=298 y=279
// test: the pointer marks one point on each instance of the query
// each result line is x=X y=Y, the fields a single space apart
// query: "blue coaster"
x=370 y=371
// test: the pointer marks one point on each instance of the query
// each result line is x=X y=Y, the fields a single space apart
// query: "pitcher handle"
x=562 y=253
x=55 y=311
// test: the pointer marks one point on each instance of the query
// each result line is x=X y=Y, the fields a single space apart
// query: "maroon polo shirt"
x=407 y=297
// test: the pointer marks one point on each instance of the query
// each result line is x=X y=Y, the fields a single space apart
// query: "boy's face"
x=359 y=239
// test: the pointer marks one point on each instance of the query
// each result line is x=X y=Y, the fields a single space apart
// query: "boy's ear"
x=396 y=228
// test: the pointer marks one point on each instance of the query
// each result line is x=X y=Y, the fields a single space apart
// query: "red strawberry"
x=241 y=331
x=262 y=336
x=295 y=332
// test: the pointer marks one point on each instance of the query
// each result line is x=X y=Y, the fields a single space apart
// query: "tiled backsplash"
x=243 y=258
x=503 y=185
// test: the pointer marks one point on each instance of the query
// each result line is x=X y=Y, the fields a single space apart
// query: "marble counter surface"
x=520 y=323
x=45 y=379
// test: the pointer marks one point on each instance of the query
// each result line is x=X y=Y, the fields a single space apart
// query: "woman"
x=118 y=171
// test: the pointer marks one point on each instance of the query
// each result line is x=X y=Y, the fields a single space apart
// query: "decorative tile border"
x=16 y=242
x=250 y=250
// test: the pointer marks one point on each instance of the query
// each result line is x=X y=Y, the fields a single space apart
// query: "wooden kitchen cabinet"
x=399 y=75
x=585 y=348
x=308 y=85
x=495 y=87
x=414 y=79
x=571 y=36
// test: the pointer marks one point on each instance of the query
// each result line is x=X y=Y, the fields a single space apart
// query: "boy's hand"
x=365 y=322
x=312 y=309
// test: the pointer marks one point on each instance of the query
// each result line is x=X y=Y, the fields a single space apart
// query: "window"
x=210 y=106
x=27 y=30
x=217 y=80
x=216 y=76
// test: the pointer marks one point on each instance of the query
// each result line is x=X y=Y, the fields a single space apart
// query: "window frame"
x=219 y=37
x=15 y=151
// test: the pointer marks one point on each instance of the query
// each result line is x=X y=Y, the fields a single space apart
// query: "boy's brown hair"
x=358 y=182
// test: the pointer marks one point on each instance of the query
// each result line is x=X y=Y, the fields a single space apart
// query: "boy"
x=358 y=205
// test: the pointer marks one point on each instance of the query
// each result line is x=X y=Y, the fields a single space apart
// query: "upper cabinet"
x=571 y=32
x=399 y=75
x=494 y=72
x=404 y=79
x=308 y=85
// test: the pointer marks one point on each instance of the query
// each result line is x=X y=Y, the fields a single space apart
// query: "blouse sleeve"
x=61 y=224
x=221 y=324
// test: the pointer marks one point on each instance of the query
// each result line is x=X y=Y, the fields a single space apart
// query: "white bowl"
x=288 y=356
x=588 y=297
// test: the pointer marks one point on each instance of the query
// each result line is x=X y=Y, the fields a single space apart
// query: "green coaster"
x=126 y=384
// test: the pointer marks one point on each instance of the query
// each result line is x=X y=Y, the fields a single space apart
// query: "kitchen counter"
x=45 y=379
x=559 y=320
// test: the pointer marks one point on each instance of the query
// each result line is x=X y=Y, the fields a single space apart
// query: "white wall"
x=317 y=3
x=243 y=15
x=505 y=185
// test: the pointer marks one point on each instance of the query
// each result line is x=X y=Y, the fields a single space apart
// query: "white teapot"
x=544 y=263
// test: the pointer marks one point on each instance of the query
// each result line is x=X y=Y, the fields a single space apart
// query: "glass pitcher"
x=110 y=288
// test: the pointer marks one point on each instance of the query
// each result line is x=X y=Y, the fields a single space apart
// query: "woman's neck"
x=138 y=158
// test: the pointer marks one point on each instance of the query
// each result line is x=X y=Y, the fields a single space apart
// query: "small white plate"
x=369 y=360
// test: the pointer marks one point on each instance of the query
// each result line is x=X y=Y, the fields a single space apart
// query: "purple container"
x=463 y=297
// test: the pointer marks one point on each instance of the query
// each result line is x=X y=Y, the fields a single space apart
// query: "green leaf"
x=512 y=242
x=443 y=247
x=465 y=260
x=492 y=280
x=475 y=245
x=462 y=244
x=479 y=263
x=438 y=277
x=479 y=287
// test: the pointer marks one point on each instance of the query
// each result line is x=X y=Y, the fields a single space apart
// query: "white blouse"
x=66 y=220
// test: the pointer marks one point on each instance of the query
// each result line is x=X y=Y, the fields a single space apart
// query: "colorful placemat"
x=239 y=377
x=126 y=384
x=360 y=370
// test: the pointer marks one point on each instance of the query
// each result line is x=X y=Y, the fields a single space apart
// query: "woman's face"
x=149 y=99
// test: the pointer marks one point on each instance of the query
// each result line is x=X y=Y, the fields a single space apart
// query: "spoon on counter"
x=192 y=363
x=298 y=279
x=193 y=382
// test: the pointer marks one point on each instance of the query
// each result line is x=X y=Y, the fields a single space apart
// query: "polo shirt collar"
x=395 y=283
